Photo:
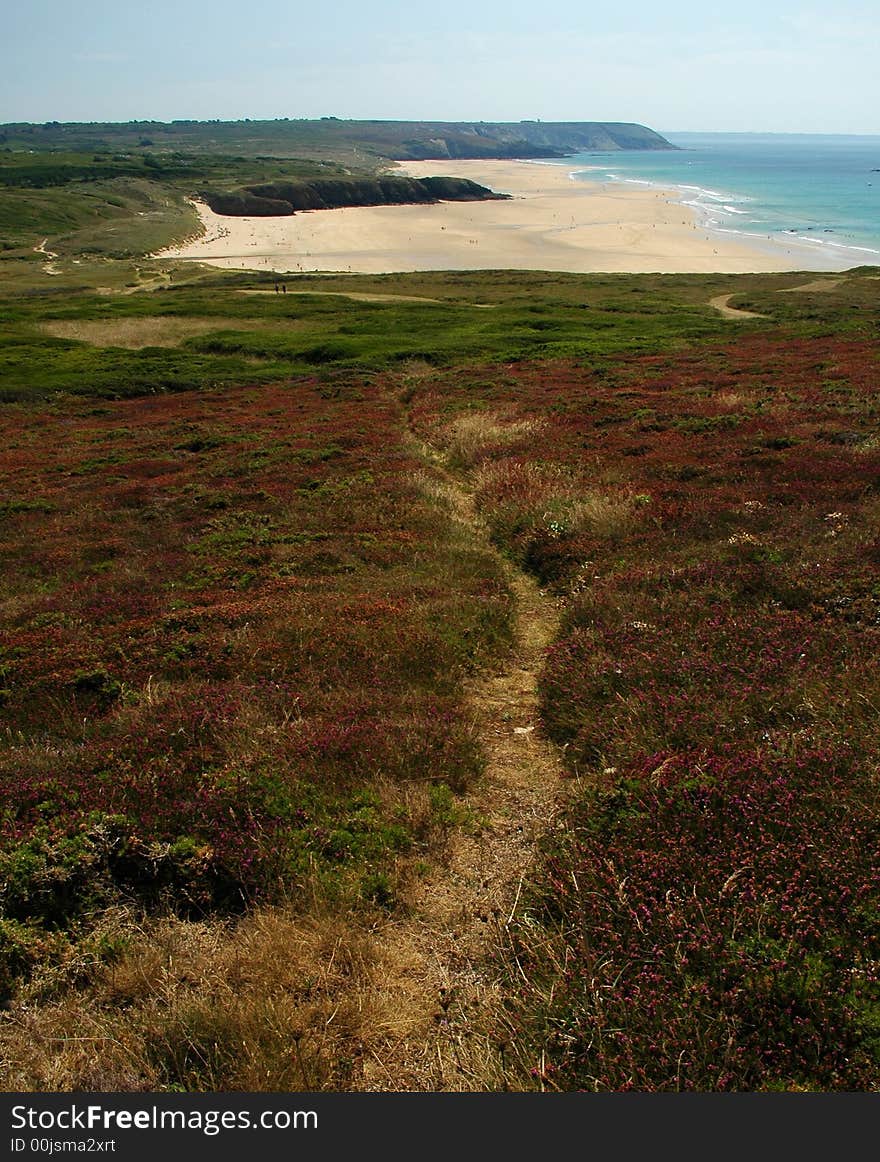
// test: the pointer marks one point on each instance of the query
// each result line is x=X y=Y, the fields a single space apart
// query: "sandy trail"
x=719 y=302
x=438 y=957
x=364 y=297
x=356 y=296
x=819 y=284
x=48 y=267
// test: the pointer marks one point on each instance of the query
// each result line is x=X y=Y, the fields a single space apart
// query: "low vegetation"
x=241 y=618
x=706 y=917
x=118 y=204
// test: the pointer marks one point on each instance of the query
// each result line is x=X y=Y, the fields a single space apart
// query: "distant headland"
x=338 y=139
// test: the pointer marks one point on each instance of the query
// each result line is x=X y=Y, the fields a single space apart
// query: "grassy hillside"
x=121 y=204
x=705 y=914
x=278 y=571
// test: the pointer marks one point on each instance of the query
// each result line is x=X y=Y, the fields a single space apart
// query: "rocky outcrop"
x=284 y=198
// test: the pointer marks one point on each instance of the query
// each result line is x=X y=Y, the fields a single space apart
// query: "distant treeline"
x=273 y=199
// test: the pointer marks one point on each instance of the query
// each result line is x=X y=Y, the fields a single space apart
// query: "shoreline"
x=553 y=221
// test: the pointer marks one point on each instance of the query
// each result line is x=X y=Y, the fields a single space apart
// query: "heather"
x=706 y=916
x=712 y=926
x=255 y=585
x=236 y=628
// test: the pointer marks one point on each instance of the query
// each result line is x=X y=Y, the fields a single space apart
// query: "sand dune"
x=551 y=222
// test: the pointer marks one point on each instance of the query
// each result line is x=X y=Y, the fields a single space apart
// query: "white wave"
x=714 y=211
x=743 y=233
x=705 y=192
x=833 y=244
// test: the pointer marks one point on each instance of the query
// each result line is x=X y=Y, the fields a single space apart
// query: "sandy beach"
x=550 y=222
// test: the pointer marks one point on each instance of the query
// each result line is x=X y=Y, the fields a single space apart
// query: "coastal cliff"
x=282 y=198
x=524 y=139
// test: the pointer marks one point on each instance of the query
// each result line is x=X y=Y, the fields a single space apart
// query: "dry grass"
x=471 y=437
x=524 y=481
x=313 y=997
x=819 y=284
x=416 y=370
x=548 y=496
x=604 y=514
x=276 y=1002
x=273 y=1002
x=356 y=296
x=153 y=331
x=443 y=495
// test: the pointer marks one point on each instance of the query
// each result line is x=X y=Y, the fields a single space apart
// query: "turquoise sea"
x=816 y=195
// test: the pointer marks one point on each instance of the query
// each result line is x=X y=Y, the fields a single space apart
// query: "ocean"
x=816 y=195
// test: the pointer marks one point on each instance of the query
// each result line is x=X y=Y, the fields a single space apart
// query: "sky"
x=744 y=66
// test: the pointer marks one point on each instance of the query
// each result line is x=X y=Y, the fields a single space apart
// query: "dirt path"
x=438 y=957
x=365 y=297
x=357 y=296
x=48 y=267
x=819 y=284
x=720 y=304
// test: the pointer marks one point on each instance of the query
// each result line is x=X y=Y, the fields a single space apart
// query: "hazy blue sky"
x=763 y=65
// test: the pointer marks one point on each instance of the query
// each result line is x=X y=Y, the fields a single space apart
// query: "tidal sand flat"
x=550 y=222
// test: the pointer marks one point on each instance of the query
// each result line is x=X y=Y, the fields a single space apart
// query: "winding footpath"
x=719 y=302
x=48 y=267
x=438 y=958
